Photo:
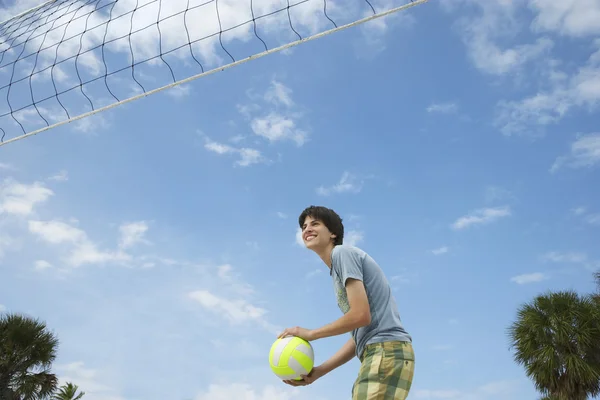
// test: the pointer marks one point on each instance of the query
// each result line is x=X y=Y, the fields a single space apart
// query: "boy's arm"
x=358 y=316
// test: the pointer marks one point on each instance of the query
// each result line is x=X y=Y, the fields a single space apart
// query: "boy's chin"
x=314 y=246
x=310 y=245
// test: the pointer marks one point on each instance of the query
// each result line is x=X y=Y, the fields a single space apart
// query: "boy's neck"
x=325 y=254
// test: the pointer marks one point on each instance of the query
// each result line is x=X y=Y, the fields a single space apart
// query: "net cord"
x=19 y=15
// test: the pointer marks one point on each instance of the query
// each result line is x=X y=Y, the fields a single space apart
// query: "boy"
x=364 y=296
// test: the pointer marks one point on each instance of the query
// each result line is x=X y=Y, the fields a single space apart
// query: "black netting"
x=67 y=58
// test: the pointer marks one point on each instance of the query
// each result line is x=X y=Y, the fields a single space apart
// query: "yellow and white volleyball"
x=291 y=357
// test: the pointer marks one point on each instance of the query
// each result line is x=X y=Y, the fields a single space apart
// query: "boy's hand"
x=315 y=374
x=302 y=333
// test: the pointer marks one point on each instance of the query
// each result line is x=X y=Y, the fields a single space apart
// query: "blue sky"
x=459 y=141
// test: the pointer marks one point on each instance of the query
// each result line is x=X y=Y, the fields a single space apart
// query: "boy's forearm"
x=346 y=323
x=341 y=357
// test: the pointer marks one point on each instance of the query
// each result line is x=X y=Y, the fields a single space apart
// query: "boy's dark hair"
x=327 y=216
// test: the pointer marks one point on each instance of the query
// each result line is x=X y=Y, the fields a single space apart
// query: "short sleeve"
x=347 y=263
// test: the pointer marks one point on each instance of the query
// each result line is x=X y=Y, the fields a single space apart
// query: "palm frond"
x=68 y=391
x=556 y=339
x=38 y=385
x=27 y=351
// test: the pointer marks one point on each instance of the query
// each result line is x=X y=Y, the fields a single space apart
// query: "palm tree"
x=68 y=392
x=27 y=351
x=557 y=340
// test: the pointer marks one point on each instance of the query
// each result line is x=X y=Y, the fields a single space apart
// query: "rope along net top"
x=69 y=59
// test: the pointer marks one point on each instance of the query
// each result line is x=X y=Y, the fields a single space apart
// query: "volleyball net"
x=65 y=60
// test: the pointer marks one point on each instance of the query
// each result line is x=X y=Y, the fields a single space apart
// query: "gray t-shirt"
x=352 y=262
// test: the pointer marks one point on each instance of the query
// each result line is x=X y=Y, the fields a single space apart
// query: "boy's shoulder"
x=346 y=249
x=344 y=256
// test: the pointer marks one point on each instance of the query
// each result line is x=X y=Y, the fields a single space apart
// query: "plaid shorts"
x=386 y=372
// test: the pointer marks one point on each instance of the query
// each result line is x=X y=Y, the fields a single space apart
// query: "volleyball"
x=291 y=357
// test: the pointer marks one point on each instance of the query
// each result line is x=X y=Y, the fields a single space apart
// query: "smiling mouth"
x=309 y=238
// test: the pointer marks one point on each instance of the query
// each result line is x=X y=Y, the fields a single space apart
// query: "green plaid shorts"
x=386 y=372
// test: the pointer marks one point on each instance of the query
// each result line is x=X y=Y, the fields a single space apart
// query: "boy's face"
x=315 y=234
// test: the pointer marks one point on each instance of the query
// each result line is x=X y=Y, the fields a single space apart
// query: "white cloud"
x=279 y=123
x=248 y=109
x=247 y=156
x=92 y=124
x=348 y=183
x=590 y=218
x=235 y=311
x=82 y=249
x=492 y=41
x=481 y=217
x=2 y=308
x=579 y=210
x=132 y=233
x=593 y=219
x=299 y=240
x=560 y=94
x=495 y=21
x=570 y=18
x=233 y=281
x=6 y=166
x=179 y=91
x=61 y=176
x=279 y=94
x=224 y=271
x=241 y=391
x=353 y=237
x=56 y=232
x=440 y=250
x=42 y=265
x=20 y=199
x=87 y=253
x=281 y=215
x=218 y=148
x=443 y=108
x=374 y=32
x=279 y=119
x=230 y=298
x=529 y=278
x=584 y=153
x=275 y=127
x=576 y=258
x=558 y=257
